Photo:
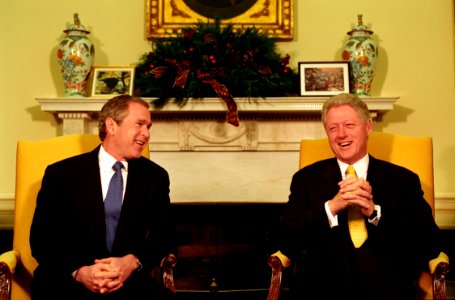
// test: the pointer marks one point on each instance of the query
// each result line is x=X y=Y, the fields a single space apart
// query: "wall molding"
x=6 y=210
x=445 y=210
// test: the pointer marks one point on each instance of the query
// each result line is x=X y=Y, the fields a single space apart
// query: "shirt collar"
x=106 y=160
x=361 y=167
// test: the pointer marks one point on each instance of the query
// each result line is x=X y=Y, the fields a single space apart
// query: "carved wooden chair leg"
x=5 y=281
x=439 y=281
x=277 y=274
x=167 y=270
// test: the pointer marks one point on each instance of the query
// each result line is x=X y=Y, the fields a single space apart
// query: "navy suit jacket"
x=68 y=229
x=406 y=237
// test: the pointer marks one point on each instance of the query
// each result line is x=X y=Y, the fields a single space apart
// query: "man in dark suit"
x=68 y=233
x=401 y=234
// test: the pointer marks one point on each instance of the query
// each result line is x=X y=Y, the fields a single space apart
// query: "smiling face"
x=125 y=140
x=347 y=132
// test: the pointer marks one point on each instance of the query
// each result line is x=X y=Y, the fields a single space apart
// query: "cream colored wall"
x=416 y=63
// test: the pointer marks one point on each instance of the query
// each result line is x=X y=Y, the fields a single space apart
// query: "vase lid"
x=360 y=26
x=77 y=26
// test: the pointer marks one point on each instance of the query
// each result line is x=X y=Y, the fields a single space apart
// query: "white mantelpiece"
x=211 y=160
x=77 y=113
x=275 y=104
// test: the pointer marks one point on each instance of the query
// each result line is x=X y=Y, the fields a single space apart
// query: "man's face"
x=347 y=133
x=131 y=135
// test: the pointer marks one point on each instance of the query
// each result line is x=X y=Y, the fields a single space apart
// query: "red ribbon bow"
x=222 y=91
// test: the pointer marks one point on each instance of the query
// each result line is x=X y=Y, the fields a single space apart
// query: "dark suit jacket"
x=68 y=229
x=329 y=265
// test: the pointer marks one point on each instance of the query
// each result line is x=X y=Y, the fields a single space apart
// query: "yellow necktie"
x=357 y=227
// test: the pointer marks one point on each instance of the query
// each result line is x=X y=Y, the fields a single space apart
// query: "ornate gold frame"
x=165 y=18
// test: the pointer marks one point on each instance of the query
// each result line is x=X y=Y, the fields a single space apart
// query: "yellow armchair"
x=32 y=158
x=414 y=153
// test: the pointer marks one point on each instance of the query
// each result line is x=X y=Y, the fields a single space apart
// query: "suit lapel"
x=332 y=175
x=376 y=179
x=91 y=196
x=135 y=183
x=330 y=172
x=132 y=208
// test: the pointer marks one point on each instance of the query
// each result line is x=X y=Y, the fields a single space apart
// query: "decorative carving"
x=167 y=271
x=75 y=122
x=264 y=12
x=275 y=281
x=5 y=281
x=176 y=11
x=439 y=281
x=216 y=135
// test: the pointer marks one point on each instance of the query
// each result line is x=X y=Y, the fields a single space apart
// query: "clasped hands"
x=108 y=274
x=353 y=191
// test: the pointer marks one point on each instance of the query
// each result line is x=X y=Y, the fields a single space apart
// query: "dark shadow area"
x=6 y=240
x=449 y=239
x=223 y=9
x=223 y=250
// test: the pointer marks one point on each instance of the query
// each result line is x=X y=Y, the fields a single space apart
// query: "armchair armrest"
x=11 y=259
x=167 y=271
x=8 y=262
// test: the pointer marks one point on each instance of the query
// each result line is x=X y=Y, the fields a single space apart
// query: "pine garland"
x=208 y=60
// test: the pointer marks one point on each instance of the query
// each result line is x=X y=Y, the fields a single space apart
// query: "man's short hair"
x=346 y=99
x=117 y=109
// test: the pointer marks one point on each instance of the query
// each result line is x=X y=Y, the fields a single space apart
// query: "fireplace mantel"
x=275 y=104
x=377 y=105
x=76 y=113
x=210 y=160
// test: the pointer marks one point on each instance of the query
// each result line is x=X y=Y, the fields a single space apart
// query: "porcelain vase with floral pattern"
x=361 y=51
x=75 y=56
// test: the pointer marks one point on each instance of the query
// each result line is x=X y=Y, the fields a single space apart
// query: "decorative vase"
x=75 y=56
x=361 y=51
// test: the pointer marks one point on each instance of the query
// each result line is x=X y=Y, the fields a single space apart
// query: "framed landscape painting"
x=324 y=78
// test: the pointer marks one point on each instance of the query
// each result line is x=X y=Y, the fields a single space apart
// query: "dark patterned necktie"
x=113 y=204
x=357 y=226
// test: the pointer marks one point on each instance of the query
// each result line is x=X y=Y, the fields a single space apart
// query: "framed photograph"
x=111 y=81
x=165 y=18
x=324 y=78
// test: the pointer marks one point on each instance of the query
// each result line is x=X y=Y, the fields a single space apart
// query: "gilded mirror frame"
x=165 y=18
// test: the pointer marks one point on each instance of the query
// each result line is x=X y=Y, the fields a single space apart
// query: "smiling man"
x=398 y=235
x=91 y=242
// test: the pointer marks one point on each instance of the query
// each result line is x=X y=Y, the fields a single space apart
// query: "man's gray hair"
x=346 y=99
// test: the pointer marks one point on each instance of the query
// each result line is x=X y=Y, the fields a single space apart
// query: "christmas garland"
x=209 y=60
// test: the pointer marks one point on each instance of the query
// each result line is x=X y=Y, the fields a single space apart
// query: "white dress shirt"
x=106 y=161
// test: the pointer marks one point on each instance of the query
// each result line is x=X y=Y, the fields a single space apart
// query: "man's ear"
x=369 y=125
x=111 y=125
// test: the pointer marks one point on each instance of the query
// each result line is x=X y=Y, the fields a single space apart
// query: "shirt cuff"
x=333 y=220
x=376 y=219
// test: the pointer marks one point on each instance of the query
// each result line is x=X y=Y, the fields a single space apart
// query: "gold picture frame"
x=165 y=18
